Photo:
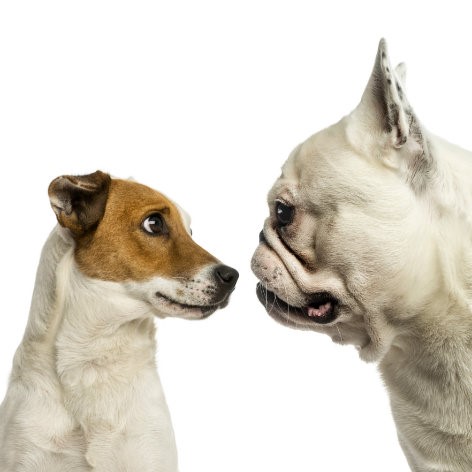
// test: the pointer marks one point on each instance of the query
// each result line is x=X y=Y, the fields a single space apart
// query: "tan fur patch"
x=119 y=249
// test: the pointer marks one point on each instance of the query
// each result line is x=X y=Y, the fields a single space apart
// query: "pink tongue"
x=320 y=311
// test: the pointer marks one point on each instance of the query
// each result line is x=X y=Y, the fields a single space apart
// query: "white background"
x=203 y=101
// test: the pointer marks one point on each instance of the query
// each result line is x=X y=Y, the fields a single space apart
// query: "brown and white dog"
x=369 y=240
x=84 y=393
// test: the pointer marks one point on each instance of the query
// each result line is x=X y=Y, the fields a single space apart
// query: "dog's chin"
x=322 y=309
x=168 y=307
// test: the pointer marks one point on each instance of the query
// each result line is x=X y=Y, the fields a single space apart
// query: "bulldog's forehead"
x=285 y=186
x=320 y=170
x=290 y=169
x=307 y=161
x=306 y=158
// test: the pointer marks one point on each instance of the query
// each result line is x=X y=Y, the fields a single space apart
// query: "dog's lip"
x=205 y=310
x=320 y=310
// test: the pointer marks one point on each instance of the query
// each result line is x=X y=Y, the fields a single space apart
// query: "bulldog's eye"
x=284 y=213
x=154 y=224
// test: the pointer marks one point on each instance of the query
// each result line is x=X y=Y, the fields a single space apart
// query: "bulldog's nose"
x=262 y=238
x=226 y=277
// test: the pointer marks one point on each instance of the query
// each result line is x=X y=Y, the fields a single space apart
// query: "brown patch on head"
x=118 y=248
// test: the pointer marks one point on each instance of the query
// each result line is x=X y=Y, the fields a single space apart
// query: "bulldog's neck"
x=429 y=379
x=428 y=370
x=451 y=184
x=428 y=374
x=432 y=357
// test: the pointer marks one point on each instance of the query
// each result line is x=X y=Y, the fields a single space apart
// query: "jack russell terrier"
x=84 y=393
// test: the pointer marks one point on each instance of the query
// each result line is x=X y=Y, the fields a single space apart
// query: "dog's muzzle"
x=322 y=308
x=226 y=278
x=262 y=238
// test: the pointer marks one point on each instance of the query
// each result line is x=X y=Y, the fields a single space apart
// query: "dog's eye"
x=154 y=224
x=284 y=213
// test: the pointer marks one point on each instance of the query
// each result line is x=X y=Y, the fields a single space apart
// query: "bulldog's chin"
x=321 y=310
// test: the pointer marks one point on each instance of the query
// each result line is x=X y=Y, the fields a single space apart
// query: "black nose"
x=226 y=277
x=262 y=238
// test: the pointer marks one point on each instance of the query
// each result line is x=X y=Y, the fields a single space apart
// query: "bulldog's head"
x=348 y=248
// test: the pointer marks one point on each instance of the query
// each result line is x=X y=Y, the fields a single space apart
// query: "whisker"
x=266 y=304
x=277 y=303
x=273 y=304
x=286 y=297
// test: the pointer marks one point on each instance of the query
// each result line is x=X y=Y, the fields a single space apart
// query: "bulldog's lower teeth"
x=320 y=311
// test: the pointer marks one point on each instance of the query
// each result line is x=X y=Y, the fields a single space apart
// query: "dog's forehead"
x=284 y=186
x=306 y=160
x=134 y=197
x=135 y=192
x=186 y=218
x=318 y=169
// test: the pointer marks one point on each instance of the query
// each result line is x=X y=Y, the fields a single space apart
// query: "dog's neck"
x=81 y=329
x=89 y=351
x=448 y=202
x=427 y=370
x=428 y=376
x=62 y=296
x=42 y=317
x=96 y=317
x=450 y=184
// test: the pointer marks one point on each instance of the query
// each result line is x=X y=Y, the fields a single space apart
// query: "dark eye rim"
x=163 y=231
x=286 y=222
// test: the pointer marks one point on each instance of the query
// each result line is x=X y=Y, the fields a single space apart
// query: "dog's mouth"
x=185 y=310
x=322 y=308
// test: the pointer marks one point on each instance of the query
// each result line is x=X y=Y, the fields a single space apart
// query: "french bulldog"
x=369 y=240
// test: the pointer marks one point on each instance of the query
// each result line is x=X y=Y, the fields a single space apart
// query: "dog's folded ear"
x=79 y=201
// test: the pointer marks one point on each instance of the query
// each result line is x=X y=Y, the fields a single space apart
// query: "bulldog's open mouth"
x=321 y=309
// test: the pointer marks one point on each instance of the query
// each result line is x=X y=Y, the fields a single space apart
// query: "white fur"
x=383 y=223
x=84 y=393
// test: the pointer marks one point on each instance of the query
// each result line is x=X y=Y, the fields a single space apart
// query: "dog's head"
x=129 y=233
x=347 y=248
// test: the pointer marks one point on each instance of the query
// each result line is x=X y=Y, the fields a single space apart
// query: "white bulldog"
x=369 y=240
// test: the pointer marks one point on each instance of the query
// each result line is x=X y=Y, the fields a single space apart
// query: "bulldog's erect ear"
x=384 y=124
x=384 y=103
x=79 y=201
x=400 y=72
